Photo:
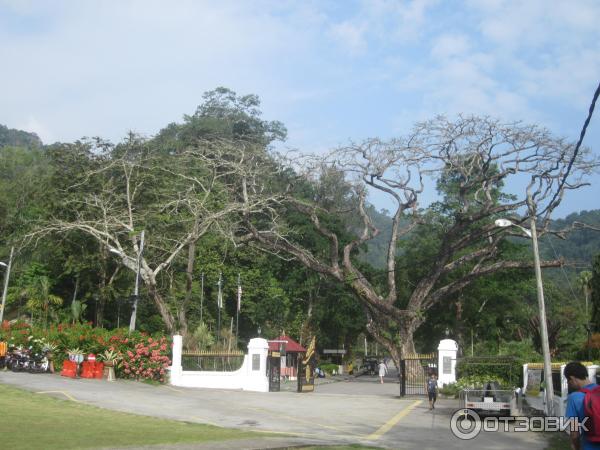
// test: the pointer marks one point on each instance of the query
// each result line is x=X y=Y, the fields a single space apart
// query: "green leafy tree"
x=595 y=293
x=474 y=157
x=40 y=299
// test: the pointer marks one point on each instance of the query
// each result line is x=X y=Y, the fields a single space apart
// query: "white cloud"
x=450 y=45
x=33 y=125
x=350 y=36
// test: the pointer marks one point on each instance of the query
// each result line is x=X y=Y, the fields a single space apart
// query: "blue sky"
x=330 y=70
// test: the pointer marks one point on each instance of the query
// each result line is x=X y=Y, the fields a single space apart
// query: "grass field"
x=29 y=420
x=37 y=421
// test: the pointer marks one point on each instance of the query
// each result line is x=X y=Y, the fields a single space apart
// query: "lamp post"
x=6 y=278
x=532 y=233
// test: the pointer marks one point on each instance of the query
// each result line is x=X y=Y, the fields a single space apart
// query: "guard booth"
x=289 y=352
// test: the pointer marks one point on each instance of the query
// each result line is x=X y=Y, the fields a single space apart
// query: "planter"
x=109 y=371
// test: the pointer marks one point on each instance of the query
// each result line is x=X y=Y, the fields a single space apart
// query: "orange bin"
x=92 y=369
x=99 y=370
x=69 y=369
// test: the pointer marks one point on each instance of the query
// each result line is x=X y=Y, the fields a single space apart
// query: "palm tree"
x=40 y=298
x=584 y=281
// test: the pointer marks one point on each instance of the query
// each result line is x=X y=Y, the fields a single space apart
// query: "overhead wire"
x=577 y=147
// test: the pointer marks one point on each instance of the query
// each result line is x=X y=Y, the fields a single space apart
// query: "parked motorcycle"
x=38 y=363
x=17 y=359
x=22 y=360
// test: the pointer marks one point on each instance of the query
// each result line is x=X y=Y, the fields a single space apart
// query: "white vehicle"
x=492 y=400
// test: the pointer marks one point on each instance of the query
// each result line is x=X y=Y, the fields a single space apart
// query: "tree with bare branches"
x=176 y=198
x=484 y=170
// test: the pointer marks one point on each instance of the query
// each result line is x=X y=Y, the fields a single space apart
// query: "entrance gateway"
x=415 y=369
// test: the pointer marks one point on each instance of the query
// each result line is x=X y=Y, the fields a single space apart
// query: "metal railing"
x=212 y=361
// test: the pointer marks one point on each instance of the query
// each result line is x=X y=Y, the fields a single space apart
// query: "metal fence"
x=415 y=369
x=212 y=361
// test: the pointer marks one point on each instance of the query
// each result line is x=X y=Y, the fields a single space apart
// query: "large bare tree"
x=176 y=197
x=484 y=170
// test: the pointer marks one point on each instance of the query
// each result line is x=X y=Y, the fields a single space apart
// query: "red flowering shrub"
x=17 y=334
x=141 y=356
x=148 y=360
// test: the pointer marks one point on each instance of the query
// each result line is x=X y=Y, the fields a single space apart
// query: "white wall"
x=244 y=378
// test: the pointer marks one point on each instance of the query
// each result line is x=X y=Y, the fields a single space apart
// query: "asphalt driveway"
x=356 y=411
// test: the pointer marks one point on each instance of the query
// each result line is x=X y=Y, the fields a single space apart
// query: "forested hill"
x=580 y=246
x=10 y=137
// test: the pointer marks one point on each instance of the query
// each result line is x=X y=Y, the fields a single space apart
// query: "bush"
x=506 y=368
x=479 y=381
x=450 y=390
x=148 y=360
x=142 y=357
x=329 y=368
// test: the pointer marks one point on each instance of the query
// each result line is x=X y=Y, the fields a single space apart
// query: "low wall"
x=252 y=376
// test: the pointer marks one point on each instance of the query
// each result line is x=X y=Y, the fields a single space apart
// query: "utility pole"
x=201 y=296
x=137 y=285
x=219 y=306
x=532 y=233
x=549 y=388
x=237 y=309
x=6 y=278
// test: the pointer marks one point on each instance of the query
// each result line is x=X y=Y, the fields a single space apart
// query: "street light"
x=6 y=278
x=532 y=233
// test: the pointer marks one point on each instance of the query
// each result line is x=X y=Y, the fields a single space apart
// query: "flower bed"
x=140 y=356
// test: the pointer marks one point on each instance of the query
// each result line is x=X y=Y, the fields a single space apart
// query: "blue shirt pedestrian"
x=575 y=409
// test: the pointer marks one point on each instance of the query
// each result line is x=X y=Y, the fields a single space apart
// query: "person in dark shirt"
x=577 y=378
x=432 y=388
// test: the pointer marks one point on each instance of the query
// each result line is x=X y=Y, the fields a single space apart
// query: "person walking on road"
x=432 y=388
x=382 y=371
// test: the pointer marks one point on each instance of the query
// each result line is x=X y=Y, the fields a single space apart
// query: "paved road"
x=360 y=410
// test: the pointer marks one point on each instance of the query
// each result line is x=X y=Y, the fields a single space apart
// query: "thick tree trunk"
x=460 y=338
x=163 y=309
x=102 y=287
x=407 y=331
x=407 y=345
x=182 y=311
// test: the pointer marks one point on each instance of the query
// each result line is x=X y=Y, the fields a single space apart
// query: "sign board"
x=334 y=351
x=447 y=364
x=534 y=380
x=256 y=362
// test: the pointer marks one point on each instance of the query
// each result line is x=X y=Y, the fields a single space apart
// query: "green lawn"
x=29 y=420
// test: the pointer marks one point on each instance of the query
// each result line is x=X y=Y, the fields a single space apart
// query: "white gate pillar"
x=256 y=370
x=176 y=368
x=447 y=361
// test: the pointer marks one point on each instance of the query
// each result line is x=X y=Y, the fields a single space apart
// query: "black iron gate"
x=274 y=372
x=414 y=372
